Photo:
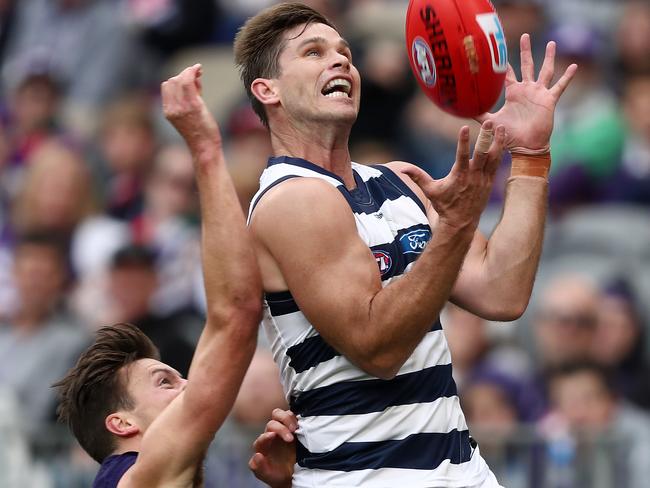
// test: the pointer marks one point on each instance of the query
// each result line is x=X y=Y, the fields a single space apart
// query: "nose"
x=340 y=61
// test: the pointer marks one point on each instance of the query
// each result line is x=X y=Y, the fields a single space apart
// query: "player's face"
x=152 y=385
x=317 y=80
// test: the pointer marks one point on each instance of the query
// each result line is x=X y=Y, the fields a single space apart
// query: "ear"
x=265 y=91
x=121 y=425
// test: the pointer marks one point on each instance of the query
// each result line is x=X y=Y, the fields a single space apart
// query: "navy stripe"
x=309 y=353
x=272 y=185
x=314 y=350
x=417 y=451
x=390 y=175
x=369 y=196
x=303 y=163
x=281 y=303
x=402 y=250
x=359 y=397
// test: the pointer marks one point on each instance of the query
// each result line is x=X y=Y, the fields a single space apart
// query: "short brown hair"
x=260 y=41
x=93 y=389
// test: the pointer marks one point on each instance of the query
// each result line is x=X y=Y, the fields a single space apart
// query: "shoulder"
x=299 y=199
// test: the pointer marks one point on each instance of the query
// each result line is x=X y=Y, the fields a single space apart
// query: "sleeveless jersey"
x=113 y=468
x=355 y=429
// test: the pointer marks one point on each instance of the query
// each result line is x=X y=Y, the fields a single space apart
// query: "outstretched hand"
x=530 y=104
x=275 y=450
x=460 y=197
x=185 y=109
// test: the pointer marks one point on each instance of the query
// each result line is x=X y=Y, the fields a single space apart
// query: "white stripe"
x=327 y=432
x=473 y=472
x=403 y=210
x=366 y=172
x=432 y=351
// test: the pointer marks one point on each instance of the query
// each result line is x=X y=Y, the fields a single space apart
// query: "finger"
x=495 y=155
x=462 y=150
x=286 y=417
x=280 y=429
x=563 y=82
x=548 y=68
x=527 y=64
x=264 y=442
x=483 y=143
x=420 y=178
x=256 y=461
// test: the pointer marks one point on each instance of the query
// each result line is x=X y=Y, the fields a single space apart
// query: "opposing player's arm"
x=176 y=441
x=334 y=277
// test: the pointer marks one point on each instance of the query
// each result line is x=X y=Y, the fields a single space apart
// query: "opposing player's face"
x=317 y=79
x=152 y=385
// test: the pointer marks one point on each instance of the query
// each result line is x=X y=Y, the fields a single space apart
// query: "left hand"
x=530 y=105
x=275 y=450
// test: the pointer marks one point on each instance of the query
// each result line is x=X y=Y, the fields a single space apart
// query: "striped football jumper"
x=355 y=429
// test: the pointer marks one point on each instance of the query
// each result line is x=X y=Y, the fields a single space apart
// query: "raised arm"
x=497 y=277
x=334 y=278
x=175 y=443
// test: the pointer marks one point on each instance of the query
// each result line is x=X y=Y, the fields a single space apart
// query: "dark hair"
x=603 y=374
x=259 y=42
x=134 y=256
x=93 y=389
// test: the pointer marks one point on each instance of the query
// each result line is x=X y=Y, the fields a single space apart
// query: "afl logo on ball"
x=423 y=59
x=384 y=261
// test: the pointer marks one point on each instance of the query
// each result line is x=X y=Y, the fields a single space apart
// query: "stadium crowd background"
x=99 y=223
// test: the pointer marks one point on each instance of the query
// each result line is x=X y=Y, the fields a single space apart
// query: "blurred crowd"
x=99 y=224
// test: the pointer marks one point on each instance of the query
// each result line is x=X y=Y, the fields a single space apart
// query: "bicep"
x=329 y=270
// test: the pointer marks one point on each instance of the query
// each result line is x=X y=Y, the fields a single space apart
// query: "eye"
x=165 y=381
x=312 y=52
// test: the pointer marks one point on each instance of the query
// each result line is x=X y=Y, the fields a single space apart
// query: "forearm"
x=402 y=313
x=231 y=275
x=512 y=253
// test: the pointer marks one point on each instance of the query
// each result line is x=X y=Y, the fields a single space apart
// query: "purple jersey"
x=113 y=468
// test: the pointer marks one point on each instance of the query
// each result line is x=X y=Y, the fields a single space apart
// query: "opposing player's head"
x=296 y=67
x=116 y=390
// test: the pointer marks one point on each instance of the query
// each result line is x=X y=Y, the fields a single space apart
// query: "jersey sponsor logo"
x=384 y=261
x=415 y=241
x=423 y=59
x=492 y=29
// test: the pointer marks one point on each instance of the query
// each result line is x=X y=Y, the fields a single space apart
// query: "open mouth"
x=337 y=88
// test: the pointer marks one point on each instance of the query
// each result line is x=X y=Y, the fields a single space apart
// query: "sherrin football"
x=458 y=53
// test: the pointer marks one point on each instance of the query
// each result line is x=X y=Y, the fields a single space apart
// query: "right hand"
x=185 y=109
x=275 y=450
x=461 y=196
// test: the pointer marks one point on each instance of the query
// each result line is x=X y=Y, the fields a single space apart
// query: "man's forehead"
x=302 y=33
x=143 y=368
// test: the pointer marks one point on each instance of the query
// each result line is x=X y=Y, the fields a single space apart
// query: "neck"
x=323 y=145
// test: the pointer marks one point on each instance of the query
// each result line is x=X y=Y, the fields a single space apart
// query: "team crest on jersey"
x=423 y=59
x=384 y=261
x=491 y=27
x=415 y=241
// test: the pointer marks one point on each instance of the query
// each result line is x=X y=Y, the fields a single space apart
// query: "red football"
x=458 y=53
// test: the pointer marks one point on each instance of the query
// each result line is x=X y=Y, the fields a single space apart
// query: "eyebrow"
x=322 y=40
x=165 y=370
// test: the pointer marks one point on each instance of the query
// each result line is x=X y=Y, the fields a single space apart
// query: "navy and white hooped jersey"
x=355 y=429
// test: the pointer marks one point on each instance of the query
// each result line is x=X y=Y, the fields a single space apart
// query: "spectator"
x=127 y=146
x=131 y=286
x=619 y=343
x=589 y=131
x=41 y=339
x=633 y=40
x=585 y=409
x=56 y=192
x=73 y=35
x=630 y=182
